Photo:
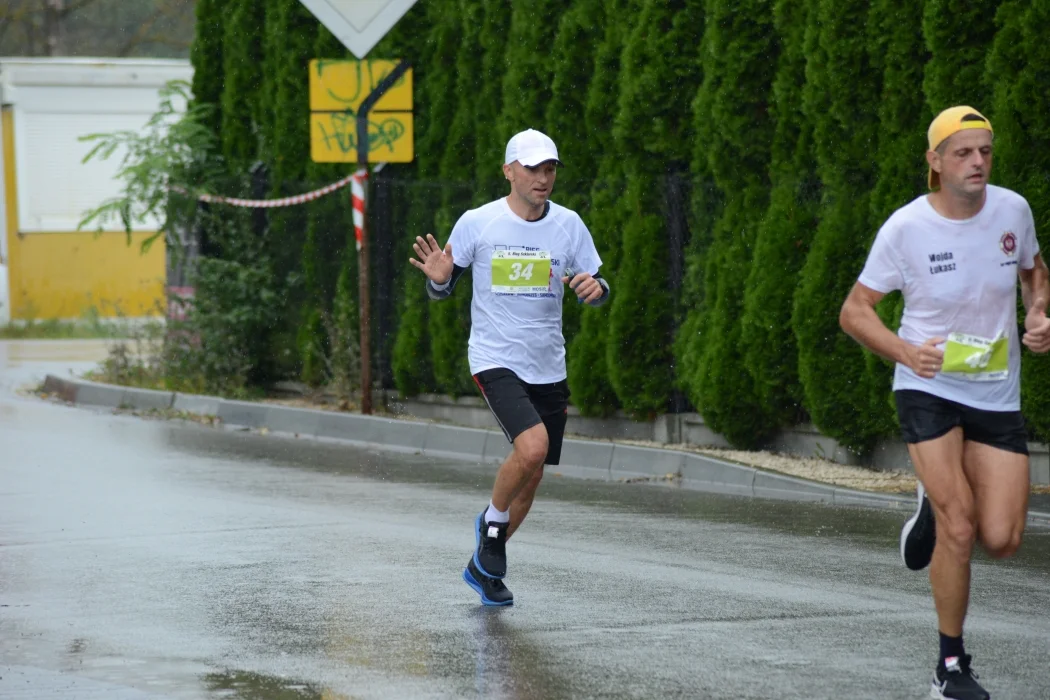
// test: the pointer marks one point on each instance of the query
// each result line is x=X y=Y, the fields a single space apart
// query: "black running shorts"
x=519 y=406
x=927 y=417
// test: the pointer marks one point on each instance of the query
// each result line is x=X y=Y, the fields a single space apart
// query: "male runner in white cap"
x=523 y=249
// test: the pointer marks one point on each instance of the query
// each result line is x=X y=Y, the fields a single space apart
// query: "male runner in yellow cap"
x=957 y=254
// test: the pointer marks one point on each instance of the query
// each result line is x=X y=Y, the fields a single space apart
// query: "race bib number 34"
x=976 y=359
x=521 y=272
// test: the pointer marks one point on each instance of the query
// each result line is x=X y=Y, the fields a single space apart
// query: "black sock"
x=951 y=646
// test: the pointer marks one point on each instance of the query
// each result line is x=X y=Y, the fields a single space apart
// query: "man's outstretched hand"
x=435 y=263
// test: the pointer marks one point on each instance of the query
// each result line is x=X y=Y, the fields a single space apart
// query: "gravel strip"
x=810 y=468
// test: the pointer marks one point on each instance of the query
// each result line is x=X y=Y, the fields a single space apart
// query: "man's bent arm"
x=1035 y=283
x=859 y=320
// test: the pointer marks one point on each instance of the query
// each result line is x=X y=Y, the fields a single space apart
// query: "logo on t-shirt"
x=1008 y=243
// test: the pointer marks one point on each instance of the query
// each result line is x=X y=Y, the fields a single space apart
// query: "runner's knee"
x=531 y=446
x=534 y=480
x=1001 y=542
x=957 y=529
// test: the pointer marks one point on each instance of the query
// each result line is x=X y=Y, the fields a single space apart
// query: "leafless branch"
x=75 y=6
x=140 y=34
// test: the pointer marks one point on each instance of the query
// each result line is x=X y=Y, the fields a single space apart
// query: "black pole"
x=364 y=300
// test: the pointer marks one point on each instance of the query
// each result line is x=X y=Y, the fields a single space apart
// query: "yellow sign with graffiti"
x=333 y=137
x=337 y=89
x=341 y=86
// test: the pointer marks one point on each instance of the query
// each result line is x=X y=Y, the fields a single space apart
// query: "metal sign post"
x=359 y=25
x=362 y=250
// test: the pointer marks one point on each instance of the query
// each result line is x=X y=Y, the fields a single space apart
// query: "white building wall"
x=55 y=103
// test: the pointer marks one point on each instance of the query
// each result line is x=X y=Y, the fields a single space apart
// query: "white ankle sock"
x=496 y=516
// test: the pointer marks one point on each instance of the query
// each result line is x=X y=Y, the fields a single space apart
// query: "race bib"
x=976 y=359
x=521 y=272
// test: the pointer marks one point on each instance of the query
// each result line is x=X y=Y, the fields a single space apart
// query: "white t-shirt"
x=516 y=311
x=959 y=280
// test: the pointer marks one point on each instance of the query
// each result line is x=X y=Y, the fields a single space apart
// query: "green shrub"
x=489 y=143
x=734 y=129
x=958 y=35
x=242 y=79
x=587 y=348
x=897 y=37
x=206 y=58
x=653 y=133
x=1019 y=67
x=785 y=231
x=841 y=101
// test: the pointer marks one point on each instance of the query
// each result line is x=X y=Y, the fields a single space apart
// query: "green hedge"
x=734 y=130
x=785 y=231
x=528 y=69
x=1018 y=68
x=901 y=164
x=242 y=79
x=575 y=44
x=592 y=391
x=421 y=358
x=793 y=127
x=958 y=34
x=841 y=101
x=653 y=131
x=490 y=145
x=207 y=62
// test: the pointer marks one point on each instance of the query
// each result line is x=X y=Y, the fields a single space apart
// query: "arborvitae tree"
x=529 y=69
x=654 y=132
x=206 y=57
x=328 y=251
x=489 y=143
x=592 y=391
x=450 y=319
x=782 y=241
x=242 y=79
x=291 y=34
x=1019 y=69
x=406 y=41
x=579 y=32
x=263 y=110
x=958 y=35
x=733 y=131
x=414 y=357
x=701 y=264
x=1006 y=61
x=841 y=100
x=896 y=39
x=294 y=33
x=895 y=28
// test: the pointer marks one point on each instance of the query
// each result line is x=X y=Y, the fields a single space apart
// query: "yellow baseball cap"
x=948 y=122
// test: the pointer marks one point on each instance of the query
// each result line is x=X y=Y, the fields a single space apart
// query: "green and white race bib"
x=521 y=272
x=976 y=359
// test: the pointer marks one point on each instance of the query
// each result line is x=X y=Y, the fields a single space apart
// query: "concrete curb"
x=604 y=461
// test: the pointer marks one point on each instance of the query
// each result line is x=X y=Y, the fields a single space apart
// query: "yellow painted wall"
x=64 y=275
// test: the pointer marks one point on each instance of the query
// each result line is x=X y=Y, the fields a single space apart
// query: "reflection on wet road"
x=142 y=559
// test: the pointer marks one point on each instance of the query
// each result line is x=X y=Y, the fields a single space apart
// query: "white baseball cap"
x=530 y=148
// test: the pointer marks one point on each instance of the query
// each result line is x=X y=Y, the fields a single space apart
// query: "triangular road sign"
x=359 y=24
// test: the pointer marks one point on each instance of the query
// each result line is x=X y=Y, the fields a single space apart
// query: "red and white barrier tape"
x=359 y=177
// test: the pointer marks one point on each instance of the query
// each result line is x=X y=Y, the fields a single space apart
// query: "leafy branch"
x=175 y=152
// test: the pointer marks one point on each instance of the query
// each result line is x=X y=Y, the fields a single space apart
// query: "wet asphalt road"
x=143 y=559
